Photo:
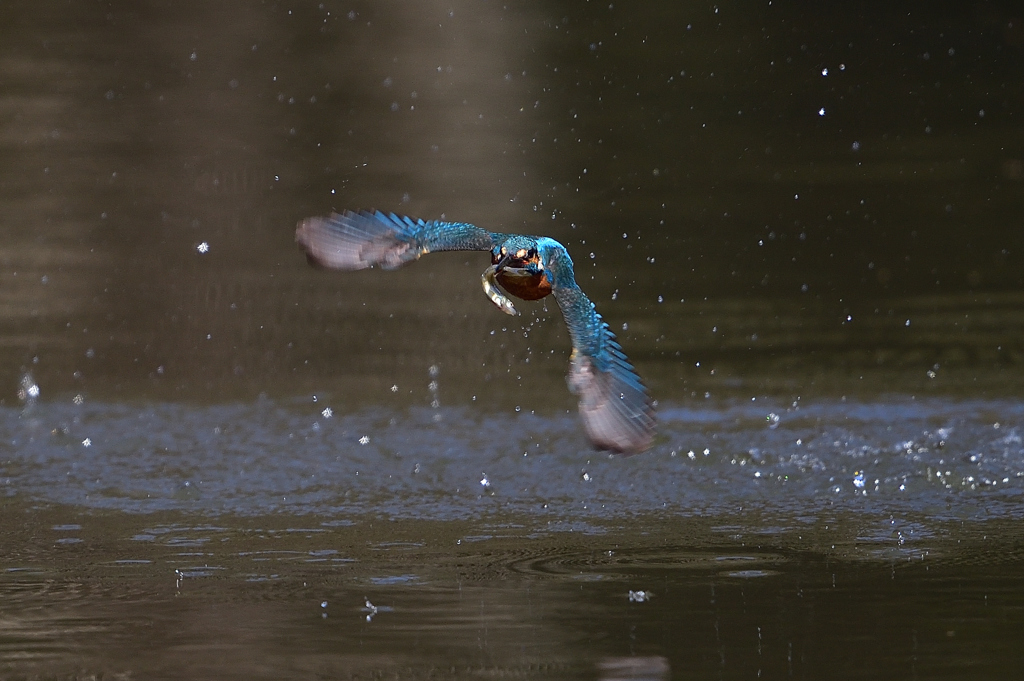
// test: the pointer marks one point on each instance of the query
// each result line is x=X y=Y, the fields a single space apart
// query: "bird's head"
x=520 y=254
x=517 y=253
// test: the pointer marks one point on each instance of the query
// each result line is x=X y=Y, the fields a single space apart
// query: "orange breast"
x=527 y=287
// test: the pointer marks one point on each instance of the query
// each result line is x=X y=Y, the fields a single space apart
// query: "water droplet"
x=28 y=389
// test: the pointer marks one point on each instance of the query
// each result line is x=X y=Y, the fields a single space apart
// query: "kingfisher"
x=616 y=410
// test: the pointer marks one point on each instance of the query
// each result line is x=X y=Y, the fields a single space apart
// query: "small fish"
x=617 y=412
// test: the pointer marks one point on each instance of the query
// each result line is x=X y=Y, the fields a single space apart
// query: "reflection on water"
x=650 y=668
x=268 y=539
x=294 y=596
x=802 y=225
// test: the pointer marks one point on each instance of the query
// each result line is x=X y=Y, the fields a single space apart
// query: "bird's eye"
x=503 y=250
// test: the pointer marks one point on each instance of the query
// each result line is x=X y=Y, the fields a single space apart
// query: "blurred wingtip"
x=617 y=413
x=353 y=240
x=327 y=243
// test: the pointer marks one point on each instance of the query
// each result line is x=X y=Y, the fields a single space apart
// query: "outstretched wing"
x=357 y=240
x=616 y=410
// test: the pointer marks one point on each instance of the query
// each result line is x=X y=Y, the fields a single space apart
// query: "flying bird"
x=616 y=410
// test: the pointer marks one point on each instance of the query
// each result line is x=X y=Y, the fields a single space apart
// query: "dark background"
x=681 y=145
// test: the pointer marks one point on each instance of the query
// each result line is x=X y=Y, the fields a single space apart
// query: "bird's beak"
x=501 y=263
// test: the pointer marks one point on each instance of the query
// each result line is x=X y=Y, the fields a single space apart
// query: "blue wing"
x=356 y=240
x=616 y=410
